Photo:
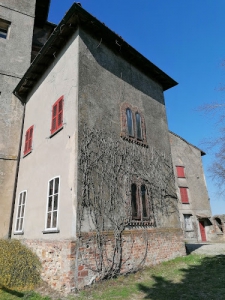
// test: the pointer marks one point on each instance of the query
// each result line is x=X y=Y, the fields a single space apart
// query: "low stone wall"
x=68 y=264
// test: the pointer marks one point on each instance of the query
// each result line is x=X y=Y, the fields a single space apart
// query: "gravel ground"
x=206 y=248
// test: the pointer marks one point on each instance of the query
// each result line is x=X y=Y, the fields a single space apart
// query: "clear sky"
x=186 y=40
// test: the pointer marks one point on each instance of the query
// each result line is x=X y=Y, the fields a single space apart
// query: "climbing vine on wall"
x=108 y=166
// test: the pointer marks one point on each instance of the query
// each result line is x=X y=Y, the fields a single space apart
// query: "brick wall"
x=140 y=247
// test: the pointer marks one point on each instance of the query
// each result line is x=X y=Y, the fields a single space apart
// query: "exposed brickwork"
x=58 y=262
x=140 y=247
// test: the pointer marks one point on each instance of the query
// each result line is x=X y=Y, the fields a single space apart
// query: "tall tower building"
x=17 y=21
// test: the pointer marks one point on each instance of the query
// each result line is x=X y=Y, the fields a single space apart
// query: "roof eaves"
x=202 y=152
x=77 y=16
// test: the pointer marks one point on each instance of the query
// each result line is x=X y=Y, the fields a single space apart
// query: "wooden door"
x=202 y=230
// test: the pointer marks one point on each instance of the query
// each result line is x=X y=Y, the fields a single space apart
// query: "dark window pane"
x=50 y=204
x=21 y=198
x=54 y=219
x=129 y=122
x=21 y=224
x=143 y=197
x=17 y=224
x=138 y=125
x=19 y=211
x=134 y=200
x=56 y=189
x=22 y=211
x=55 y=207
x=24 y=198
x=50 y=187
x=49 y=220
x=3 y=33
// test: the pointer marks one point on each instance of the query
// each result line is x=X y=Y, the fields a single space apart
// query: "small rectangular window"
x=184 y=194
x=187 y=222
x=57 y=115
x=180 y=171
x=52 y=204
x=21 y=212
x=28 y=140
x=4 y=29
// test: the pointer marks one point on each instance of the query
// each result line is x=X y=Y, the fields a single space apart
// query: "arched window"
x=143 y=201
x=138 y=126
x=129 y=122
x=134 y=201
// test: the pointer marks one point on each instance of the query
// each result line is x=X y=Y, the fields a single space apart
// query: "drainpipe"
x=17 y=169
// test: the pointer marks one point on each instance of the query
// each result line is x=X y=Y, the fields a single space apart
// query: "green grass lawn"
x=190 y=277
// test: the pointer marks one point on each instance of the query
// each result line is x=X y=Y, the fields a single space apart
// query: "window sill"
x=18 y=233
x=185 y=202
x=53 y=230
x=27 y=153
x=141 y=223
x=55 y=132
x=134 y=140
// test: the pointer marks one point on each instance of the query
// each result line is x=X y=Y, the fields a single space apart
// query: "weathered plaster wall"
x=186 y=155
x=105 y=82
x=55 y=156
x=15 y=53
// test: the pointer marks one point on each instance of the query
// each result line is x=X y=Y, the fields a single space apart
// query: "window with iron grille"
x=28 y=140
x=184 y=194
x=57 y=115
x=4 y=29
x=21 y=212
x=180 y=171
x=52 y=204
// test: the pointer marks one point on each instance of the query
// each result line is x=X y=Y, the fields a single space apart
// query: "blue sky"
x=186 y=40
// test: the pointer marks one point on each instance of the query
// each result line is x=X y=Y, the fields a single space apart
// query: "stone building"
x=18 y=20
x=194 y=205
x=95 y=188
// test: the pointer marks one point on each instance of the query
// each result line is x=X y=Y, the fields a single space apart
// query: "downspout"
x=17 y=169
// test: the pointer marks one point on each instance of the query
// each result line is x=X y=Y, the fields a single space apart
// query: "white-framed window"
x=51 y=222
x=21 y=212
x=4 y=29
x=188 y=222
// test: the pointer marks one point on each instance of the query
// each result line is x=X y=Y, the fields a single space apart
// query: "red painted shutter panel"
x=184 y=195
x=60 y=112
x=180 y=171
x=26 y=142
x=54 y=118
x=30 y=138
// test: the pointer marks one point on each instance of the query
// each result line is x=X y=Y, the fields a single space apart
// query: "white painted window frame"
x=52 y=229
x=20 y=215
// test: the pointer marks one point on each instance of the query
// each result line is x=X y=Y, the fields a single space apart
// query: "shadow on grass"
x=12 y=292
x=201 y=281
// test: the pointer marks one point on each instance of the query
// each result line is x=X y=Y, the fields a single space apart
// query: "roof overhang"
x=41 y=12
x=78 y=17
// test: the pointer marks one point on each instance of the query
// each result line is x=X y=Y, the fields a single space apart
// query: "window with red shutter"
x=57 y=115
x=28 y=140
x=184 y=194
x=180 y=171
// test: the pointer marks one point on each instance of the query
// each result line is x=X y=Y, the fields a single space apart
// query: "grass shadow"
x=12 y=292
x=203 y=279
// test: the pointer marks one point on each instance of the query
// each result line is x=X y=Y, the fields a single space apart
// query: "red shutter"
x=57 y=115
x=28 y=140
x=184 y=195
x=180 y=171
x=60 y=112
x=54 y=118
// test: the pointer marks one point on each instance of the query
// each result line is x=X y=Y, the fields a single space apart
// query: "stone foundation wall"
x=63 y=272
